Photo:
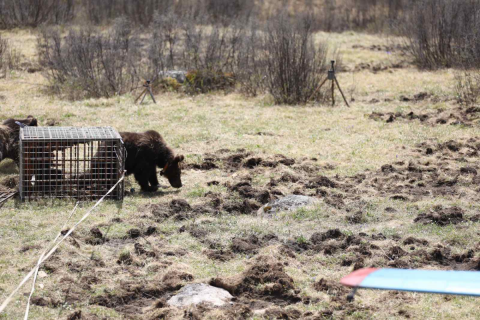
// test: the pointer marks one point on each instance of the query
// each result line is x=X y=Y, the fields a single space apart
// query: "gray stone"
x=179 y=75
x=196 y=293
x=288 y=203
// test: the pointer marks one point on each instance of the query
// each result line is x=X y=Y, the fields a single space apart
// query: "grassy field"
x=336 y=142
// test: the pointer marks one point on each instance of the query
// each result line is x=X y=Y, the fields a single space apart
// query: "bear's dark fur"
x=145 y=152
x=10 y=135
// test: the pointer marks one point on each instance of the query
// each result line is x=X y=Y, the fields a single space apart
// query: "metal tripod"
x=331 y=76
x=147 y=90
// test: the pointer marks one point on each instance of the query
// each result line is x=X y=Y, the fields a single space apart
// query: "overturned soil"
x=466 y=116
x=149 y=273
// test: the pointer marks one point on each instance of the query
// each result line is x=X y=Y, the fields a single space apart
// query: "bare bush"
x=138 y=12
x=144 y=12
x=214 y=48
x=294 y=64
x=250 y=67
x=224 y=11
x=444 y=33
x=167 y=29
x=9 y=57
x=32 y=13
x=87 y=64
x=468 y=87
x=341 y=15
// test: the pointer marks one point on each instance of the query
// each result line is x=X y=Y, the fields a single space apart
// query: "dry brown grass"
x=345 y=138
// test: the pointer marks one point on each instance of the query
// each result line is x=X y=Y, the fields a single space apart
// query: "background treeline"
x=91 y=48
x=330 y=15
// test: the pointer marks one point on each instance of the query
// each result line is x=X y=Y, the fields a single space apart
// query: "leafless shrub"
x=212 y=54
x=9 y=57
x=294 y=64
x=444 y=33
x=89 y=64
x=468 y=87
x=31 y=13
x=138 y=12
x=167 y=29
x=224 y=11
x=214 y=48
x=250 y=67
x=341 y=15
x=144 y=12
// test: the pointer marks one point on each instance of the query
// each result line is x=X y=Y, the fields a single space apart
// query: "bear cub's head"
x=173 y=172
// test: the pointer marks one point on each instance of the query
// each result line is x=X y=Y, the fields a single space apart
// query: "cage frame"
x=53 y=140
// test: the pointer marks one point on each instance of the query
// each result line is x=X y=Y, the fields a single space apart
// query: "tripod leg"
x=144 y=96
x=344 y=99
x=151 y=95
x=333 y=92
x=140 y=95
x=318 y=88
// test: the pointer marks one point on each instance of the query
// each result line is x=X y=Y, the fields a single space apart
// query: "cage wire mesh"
x=68 y=162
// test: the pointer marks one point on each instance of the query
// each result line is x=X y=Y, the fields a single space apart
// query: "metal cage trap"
x=68 y=162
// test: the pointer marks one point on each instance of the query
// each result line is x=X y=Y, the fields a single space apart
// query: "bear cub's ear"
x=179 y=158
x=32 y=121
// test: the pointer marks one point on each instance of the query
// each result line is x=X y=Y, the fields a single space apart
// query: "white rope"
x=29 y=275
x=40 y=260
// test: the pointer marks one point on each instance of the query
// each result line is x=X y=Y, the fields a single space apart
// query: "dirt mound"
x=220 y=255
x=443 y=257
x=442 y=169
x=378 y=67
x=356 y=218
x=179 y=205
x=318 y=237
x=329 y=243
x=246 y=191
x=278 y=313
x=396 y=252
x=382 y=47
x=235 y=160
x=441 y=216
x=207 y=164
x=321 y=182
x=96 y=237
x=412 y=240
x=332 y=288
x=456 y=116
x=240 y=207
x=246 y=245
x=177 y=208
x=131 y=297
x=265 y=279
x=253 y=162
x=77 y=315
x=251 y=244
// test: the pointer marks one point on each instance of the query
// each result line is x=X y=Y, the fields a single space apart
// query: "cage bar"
x=69 y=162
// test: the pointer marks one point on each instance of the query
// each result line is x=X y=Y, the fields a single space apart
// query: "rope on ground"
x=41 y=257
x=55 y=247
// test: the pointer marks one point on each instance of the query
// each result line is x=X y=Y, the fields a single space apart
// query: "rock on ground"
x=288 y=203
x=178 y=75
x=193 y=294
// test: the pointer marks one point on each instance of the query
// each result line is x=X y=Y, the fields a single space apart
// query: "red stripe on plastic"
x=355 y=278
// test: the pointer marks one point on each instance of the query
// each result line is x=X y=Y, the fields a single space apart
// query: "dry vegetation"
x=396 y=174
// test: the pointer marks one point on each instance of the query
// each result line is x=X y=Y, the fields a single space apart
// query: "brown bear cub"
x=145 y=152
x=10 y=136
